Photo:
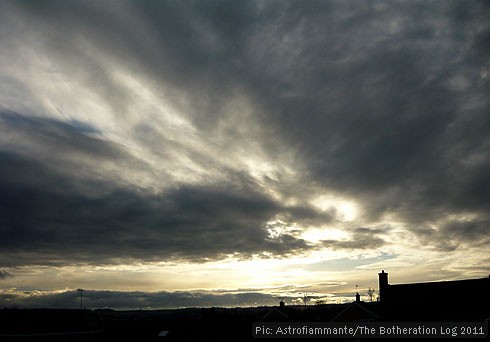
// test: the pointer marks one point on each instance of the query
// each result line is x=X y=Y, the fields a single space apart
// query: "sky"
x=164 y=154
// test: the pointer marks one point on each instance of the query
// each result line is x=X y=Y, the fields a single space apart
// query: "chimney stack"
x=383 y=284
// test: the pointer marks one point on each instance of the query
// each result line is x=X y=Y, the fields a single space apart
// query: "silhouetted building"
x=275 y=315
x=383 y=283
x=357 y=312
x=458 y=300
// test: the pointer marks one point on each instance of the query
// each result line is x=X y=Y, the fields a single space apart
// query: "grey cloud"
x=5 y=274
x=343 y=263
x=454 y=234
x=396 y=120
x=355 y=243
x=50 y=218
x=471 y=230
x=163 y=41
x=304 y=214
x=135 y=300
x=361 y=238
x=69 y=148
x=383 y=102
x=64 y=138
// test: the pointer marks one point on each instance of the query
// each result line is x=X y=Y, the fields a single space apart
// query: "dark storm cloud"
x=385 y=103
x=52 y=217
x=49 y=218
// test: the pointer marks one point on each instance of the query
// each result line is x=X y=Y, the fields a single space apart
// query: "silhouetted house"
x=163 y=333
x=275 y=315
x=459 y=300
x=357 y=312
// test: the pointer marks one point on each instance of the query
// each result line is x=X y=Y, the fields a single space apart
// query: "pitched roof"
x=275 y=313
x=353 y=308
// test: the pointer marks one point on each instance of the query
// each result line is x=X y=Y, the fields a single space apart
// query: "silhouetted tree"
x=370 y=294
x=306 y=299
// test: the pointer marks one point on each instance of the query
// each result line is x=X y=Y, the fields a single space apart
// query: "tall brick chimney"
x=383 y=284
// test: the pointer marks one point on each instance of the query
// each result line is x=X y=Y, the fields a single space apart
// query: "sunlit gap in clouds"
x=346 y=210
x=316 y=235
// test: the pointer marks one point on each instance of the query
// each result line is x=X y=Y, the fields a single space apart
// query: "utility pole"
x=81 y=297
